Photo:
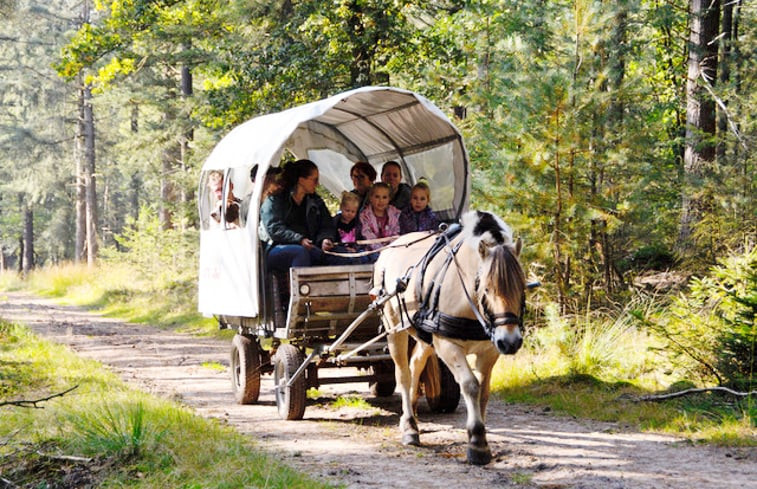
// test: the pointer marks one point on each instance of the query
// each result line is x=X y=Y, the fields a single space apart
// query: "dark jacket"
x=401 y=199
x=424 y=220
x=280 y=220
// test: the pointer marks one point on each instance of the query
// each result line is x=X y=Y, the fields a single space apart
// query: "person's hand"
x=306 y=243
x=327 y=244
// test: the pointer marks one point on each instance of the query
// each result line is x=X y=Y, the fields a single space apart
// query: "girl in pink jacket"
x=379 y=219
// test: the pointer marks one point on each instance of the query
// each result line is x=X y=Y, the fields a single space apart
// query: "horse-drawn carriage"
x=323 y=317
x=372 y=124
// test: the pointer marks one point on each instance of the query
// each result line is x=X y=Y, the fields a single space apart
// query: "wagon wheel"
x=289 y=400
x=383 y=388
x=245 y=369
x=440 y=387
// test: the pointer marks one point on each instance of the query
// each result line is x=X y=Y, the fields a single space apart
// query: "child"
x=379 y=219
x=345 y=221
x=418 y=216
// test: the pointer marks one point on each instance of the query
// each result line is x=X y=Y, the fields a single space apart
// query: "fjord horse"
x=467 y=298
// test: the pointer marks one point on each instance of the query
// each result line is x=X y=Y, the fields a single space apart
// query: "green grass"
x=596 y=367
x=117 y=291
x=130 y=439
x=354 y=402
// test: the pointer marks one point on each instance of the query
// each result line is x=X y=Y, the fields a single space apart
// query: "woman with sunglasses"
x=363 y=175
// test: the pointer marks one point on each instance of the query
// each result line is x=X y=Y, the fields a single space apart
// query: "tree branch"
x=661 y=397
x=33 y=404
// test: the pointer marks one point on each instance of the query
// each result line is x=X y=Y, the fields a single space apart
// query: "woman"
x=296 y=223
x=391 y=173
x=363 y=175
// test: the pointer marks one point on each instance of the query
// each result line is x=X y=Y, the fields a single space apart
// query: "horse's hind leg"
x=454 y=356
x=398 y=346
x=418 y=360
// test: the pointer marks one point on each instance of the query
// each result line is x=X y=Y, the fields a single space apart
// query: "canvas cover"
x=373 y=124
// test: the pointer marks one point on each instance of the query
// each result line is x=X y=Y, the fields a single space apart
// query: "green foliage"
x=159 y=256
x=124 y=432
x=114 y=428
x=710 y=330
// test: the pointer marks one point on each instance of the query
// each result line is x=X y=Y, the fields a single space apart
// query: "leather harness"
x=428 y=320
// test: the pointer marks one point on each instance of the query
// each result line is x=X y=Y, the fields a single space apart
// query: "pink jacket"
x=369 y=227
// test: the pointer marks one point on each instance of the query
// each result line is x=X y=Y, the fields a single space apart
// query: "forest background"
x=615 y=136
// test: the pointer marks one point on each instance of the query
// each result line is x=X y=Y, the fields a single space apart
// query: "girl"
x=418 y=216
x=346 y=222
x=379 y=219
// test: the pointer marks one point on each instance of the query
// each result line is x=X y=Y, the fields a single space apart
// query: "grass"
x=117 y=291
x=597 y=367
x=103 y=434
x=354 y=402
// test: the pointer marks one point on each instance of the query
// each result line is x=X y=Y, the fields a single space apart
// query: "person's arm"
x=366 y=229
x=406 y=221
x=326 y=235
x=273 y=214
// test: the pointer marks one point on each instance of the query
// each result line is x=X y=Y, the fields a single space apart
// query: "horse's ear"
x=518 y=246
x=483 y=249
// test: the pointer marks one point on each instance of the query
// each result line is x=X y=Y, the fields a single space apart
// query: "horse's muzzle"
x=507 y=342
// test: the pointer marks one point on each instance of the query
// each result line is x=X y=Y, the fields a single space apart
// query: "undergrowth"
x=103 y=434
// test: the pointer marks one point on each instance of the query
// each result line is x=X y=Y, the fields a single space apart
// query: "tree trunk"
x=80 y=204
x=89 y=176
x=360 y=68
x=699 y=153
x=725 y=73
x=187 y=195
x=28 y=254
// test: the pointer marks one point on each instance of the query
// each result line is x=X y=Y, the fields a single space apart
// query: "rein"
x=359 y=254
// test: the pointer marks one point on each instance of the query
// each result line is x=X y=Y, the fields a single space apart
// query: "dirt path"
x=531 y=448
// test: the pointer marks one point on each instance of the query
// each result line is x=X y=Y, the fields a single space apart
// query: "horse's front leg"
x=454 y=356
x=398 y=348
x=484 y=365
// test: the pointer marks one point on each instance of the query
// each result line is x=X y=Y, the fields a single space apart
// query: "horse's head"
x=500 y=281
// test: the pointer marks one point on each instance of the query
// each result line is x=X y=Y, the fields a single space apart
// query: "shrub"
x=710 y=330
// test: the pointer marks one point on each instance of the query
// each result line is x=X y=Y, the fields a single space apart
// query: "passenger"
x=418 y=216
x=215 y=185
x=347 y=227
x=346 y=221
x=271 y=185
x=379 y=219
x=363 y=175
x=296 y=223
x=391 y=173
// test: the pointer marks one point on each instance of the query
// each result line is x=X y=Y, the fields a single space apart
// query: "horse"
x=461 y=294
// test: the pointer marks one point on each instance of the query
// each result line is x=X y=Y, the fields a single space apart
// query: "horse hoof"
x=479 y=457
x=411 y=439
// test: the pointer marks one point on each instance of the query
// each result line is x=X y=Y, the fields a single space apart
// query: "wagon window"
x=223 y=198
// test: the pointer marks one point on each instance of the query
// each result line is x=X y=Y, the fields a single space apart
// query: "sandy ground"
x=360 y=448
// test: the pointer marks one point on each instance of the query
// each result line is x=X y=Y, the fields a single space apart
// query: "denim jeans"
x=282 y=257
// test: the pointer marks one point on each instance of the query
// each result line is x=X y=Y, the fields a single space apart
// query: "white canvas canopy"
x=373 y=124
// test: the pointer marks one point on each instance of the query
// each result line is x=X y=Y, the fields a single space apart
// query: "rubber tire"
x=245 y=369
x=290 y=401
x=442 y=391
x=383 y=388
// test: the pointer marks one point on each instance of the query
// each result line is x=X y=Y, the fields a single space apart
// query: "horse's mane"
x=480 y=225
x=505 y=276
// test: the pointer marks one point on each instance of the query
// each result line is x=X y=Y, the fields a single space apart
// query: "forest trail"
x=531 y=447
